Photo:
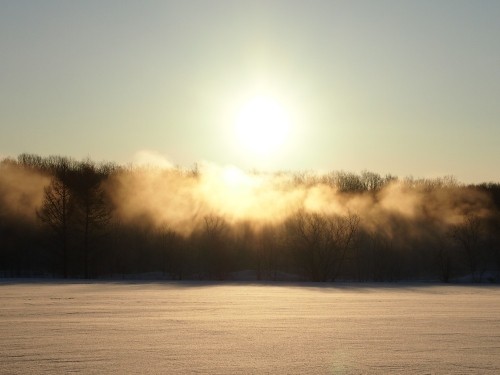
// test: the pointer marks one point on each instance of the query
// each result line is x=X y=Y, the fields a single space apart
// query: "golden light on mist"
x=262 y=125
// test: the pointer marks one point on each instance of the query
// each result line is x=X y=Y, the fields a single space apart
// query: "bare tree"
x=268 y=252
x=469 y=236
x=94 y=211
x=371 y=181
x=321 y=242
x=55 y=212
x=214 y=257
x=348 y=182
x=443 y=258
x=173 y=257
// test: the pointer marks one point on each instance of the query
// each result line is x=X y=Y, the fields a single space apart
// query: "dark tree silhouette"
x=320 y=242
x=443 y=258
x=91 y=239
x=214 y=247
x=269 y=249
x=93 y=208
x=172 y=254
x=55 y=212
x=469 y=236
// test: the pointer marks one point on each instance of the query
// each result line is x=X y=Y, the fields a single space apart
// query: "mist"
x=181 y=198
x=21 y=190
x=209 y=221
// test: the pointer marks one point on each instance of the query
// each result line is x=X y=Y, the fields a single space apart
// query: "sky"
x=410 y=88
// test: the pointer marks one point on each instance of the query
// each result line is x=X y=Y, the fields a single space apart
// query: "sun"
x=262 y=125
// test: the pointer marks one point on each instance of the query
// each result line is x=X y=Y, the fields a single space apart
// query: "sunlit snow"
x=236 y=328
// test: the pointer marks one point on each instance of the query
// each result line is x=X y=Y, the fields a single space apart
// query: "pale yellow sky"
x=401 y=87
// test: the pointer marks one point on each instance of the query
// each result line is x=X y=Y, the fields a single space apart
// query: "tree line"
x=74 y=229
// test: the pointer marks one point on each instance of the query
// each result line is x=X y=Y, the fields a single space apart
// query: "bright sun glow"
x=262 y=125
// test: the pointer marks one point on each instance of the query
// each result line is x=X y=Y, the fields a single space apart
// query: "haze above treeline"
x=60 y=217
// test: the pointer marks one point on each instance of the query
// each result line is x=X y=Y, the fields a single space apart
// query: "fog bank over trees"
x=65 y=218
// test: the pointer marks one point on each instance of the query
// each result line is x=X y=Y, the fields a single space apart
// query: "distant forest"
x=64 y=218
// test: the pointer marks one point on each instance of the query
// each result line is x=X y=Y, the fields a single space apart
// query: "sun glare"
x=262 y=125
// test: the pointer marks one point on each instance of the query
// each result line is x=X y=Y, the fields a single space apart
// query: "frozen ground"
x=207 y=328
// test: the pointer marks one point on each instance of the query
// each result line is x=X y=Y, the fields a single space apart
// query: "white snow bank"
x=210 y=328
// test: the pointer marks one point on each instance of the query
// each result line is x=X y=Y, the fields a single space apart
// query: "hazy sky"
x=401 y=87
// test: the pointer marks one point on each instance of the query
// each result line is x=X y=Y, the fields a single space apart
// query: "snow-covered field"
x=210 y=328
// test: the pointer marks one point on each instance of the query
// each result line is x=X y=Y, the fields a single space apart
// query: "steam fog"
x=181 y=198
x=21 y=190
x=211 y=220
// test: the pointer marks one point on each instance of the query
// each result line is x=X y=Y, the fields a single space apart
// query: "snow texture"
x=238 y=328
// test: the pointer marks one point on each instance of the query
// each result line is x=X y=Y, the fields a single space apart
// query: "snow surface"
x=237 y=328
